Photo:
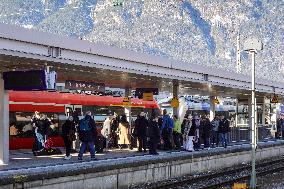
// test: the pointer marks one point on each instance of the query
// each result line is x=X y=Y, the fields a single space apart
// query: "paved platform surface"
x=21 y=159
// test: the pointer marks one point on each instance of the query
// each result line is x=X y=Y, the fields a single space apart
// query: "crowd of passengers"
x=156 y=132
x=167 y=133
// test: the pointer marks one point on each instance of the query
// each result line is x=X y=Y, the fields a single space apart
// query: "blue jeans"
x=83 y=148
x=215 y=138
x=224 y=139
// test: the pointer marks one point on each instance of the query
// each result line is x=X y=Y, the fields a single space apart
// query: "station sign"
x=274 y=99
x=86 y=86
x=175 y=102
x=29 y=80
x=126 y=101
x=216 y=101
x=240 y=186
x=148 y=96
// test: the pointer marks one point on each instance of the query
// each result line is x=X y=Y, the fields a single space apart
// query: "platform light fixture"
x=252 y=45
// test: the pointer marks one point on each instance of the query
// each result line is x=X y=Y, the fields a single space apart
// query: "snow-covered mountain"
x=200 y=32
x=73 y=20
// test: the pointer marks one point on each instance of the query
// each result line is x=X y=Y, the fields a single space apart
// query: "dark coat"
x=206 y=128
x=141 y=126
x=224 y=126
x=66 y=127
x=280 y=125
x=191 y=131
x=114 y=124
x=42 y=125
x=154 y=131
x=160 y=122
x=88 y=136
x=193 y=128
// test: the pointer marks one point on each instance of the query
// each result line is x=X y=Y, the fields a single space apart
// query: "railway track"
x=218 y=179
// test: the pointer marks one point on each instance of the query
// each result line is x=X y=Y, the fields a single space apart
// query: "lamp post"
x=252 y=45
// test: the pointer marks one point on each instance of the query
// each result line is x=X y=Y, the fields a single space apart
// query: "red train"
x=57 y=106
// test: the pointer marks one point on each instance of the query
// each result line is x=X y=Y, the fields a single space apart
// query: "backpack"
x=84 y=125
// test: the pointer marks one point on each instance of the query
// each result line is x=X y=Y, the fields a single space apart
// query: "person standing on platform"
x=196 y=128
x=38 y=144
x=154 y=134
x=76 y=118
x=123 y=132
x=190 y=138
x=113 y=131
x=206 y=131
x=167 y=131
x=185 y=126
x=224 y=129
x=280 y=127
x=68 y=134
x=215 y=132
x=106 y=131
x=87 y=134
x=177 y=132
x=41 y=128
x=141 y=126
x=160 y=124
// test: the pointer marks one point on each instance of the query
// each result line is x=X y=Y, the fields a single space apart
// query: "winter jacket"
x=167 y=122
x=177 y=126
x=215 y=125
x=280 y=125
x=154 y=131
x=114 y=124
x=192 y=130
x=66 y=127
x=141 y=125
x=90 y=135
x=206 y=128
x=123 y=134
x=195 y=125
x=224 y=126
x=42 y=126
x=106 y=128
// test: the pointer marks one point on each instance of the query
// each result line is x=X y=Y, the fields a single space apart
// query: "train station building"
x=82 y=61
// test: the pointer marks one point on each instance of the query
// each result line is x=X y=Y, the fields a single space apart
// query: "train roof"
x=57 y=98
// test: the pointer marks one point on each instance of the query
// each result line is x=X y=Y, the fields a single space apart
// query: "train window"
x=20 y=124
x=69 y=111
x=79 y=111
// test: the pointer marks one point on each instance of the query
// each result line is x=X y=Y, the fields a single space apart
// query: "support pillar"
x=253 y=124
x=175 y=94
x=4 y=124
x=237 y=112
x=212 y=108
x=263 y=112
x=127 y=110
x=249 y=113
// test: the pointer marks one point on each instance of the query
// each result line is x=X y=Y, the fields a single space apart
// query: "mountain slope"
x=73 y=20
x=199 y=32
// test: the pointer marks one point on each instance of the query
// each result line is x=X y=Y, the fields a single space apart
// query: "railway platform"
x=124 y=168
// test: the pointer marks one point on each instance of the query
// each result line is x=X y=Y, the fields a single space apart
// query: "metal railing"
x=242 y=133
